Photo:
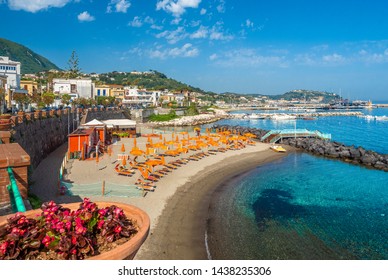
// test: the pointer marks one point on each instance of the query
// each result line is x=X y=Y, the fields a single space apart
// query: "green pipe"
x=15 y=194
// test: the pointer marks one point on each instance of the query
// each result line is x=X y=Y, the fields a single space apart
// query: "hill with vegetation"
x=152 y=80
x=307 y=95
x=31 y=62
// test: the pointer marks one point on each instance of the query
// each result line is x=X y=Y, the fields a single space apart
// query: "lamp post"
x=295 y=129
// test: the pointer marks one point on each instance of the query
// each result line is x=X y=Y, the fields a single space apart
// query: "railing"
x=288 y=133
x=269 y=133
x=16 y=199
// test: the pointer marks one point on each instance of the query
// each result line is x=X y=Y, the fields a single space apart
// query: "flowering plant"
x=59 y=233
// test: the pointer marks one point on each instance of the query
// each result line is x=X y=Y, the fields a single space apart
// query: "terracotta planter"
x=126 y=251
x=5 y=117
x=5 y=126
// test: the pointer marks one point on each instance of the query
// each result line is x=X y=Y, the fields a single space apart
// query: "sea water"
x=303 y=206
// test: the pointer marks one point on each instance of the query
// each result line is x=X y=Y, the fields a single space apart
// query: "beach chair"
x=147 y=176
x=120 y=170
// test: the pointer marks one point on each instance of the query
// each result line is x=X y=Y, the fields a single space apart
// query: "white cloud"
x=156 y=27
x=213 y=56
x=249 y=57
x=118 y=6
x=249 y=23
x=85 y=16
x=221 y=6
x=176 y=21
x=136 y=22
x=203 y=11
x=34 y=6
x=187 y=50
x=217 y=33
x=333 y=58
x=177 y=7
x=174 y=36
x=202 y=32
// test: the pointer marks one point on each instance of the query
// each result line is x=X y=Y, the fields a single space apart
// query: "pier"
x=274 y=136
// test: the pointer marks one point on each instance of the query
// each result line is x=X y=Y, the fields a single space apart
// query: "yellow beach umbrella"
x=122 y=148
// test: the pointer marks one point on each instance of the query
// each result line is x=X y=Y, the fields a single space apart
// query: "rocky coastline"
x=193 y=120
x=351 y=154
x=326 y=148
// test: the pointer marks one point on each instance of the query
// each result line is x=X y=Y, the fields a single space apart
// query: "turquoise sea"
x=303 y=206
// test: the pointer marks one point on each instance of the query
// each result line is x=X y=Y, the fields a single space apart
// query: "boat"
x=280 y=117
x=254 y=116
x=278 y=148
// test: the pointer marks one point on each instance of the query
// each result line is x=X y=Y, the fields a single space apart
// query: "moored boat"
x=278 y=148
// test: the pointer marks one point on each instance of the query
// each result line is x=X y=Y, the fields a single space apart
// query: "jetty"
x=301 y=115
x=274 y=136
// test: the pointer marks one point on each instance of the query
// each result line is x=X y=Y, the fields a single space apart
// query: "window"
x=104 y=92
x=98 y=92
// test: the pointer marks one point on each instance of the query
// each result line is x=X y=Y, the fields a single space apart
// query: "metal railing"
x=15 y=196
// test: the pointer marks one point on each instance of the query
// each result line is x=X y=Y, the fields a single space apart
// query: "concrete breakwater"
x=352 y=154
x=301 y=115
x=326 y=148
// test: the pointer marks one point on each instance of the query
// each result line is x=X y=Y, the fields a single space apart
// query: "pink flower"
x=15 y=231
x=117 y=229
x=46 y=240
x=3 y=247
x=80 y=229
x=100 y=224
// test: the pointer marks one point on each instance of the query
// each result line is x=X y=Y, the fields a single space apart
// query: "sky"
x=242 y=46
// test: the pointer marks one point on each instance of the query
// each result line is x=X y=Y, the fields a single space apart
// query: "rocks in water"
x=242 y=129
x=338 y=150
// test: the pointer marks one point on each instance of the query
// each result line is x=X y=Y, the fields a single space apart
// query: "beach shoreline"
x=180 y=230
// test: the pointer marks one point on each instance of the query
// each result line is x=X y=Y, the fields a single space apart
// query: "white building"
x=140 y=97
x=74 y=87
x=10 y=69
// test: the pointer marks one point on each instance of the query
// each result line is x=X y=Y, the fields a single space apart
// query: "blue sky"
x=245 y=46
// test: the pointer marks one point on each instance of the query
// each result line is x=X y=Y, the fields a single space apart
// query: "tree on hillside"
x=73 y=66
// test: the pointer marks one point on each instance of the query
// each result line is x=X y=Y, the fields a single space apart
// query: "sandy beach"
x=177 y=208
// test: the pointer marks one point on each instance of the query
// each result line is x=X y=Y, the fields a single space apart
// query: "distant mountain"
x=31 y=61
x=307 y=95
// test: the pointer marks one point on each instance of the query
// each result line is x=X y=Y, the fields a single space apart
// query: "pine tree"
x=73 y=62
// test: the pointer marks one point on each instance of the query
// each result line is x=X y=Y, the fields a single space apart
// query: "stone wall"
x=41 y=134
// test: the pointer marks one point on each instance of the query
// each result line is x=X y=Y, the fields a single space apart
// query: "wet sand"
x=180 y=232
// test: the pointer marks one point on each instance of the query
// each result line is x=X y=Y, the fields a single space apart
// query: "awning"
x=94 y=122
x=120 y=123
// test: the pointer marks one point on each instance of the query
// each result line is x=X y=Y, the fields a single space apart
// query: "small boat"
x=281 y=117
x=254 y=116
x=278 y=148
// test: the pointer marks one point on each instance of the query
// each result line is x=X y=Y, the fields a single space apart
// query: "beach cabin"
x=81 y=141
x=101 y=130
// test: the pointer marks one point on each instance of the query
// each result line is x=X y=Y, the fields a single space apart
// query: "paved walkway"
x=44 y=180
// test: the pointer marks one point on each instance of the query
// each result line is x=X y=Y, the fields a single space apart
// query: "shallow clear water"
x=303 y=206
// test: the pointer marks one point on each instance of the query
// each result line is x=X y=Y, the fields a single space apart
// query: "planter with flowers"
x=74 y=231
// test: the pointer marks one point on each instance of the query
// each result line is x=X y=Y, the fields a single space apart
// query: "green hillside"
x=306 y=95
x=31 y=61
x=149 y=80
